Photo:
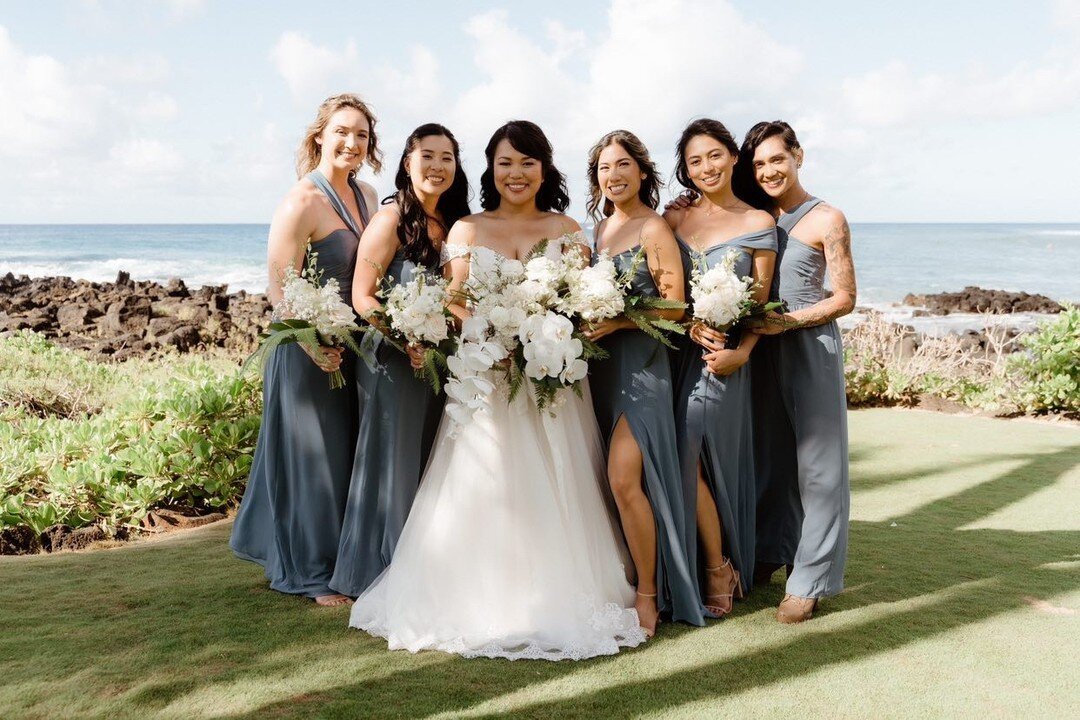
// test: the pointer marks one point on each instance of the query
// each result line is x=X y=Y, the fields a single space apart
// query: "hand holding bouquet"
x=312 y=314
x=415 y=314
x=721 y=298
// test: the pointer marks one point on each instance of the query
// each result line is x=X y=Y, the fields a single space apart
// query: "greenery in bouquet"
x=312 y=314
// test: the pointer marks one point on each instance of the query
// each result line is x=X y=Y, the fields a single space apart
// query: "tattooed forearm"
x=841 y=269
x=838 y=259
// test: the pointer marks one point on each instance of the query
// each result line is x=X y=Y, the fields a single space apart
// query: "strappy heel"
x=734 y=591
x=649 y=633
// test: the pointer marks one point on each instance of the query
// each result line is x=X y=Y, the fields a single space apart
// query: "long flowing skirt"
x=509 y=550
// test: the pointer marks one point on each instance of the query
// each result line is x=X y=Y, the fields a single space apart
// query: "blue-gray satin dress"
x=713 y=418
x=398 y=419
x=290 y=517
x=801 y=430
x=635 y=382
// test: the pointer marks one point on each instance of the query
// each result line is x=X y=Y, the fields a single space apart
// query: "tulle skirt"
x=510 y=549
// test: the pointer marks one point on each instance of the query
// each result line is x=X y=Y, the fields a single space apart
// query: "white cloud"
x=137 y=157
x=312 y=72
x=895 y=96
x=183 y=9
x=46 y=109
x=157 y=107
x=144 y=69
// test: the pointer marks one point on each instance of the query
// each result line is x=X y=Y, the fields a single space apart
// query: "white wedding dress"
x=510 y=549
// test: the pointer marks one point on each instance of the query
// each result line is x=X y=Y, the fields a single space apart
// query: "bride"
x=509 y=550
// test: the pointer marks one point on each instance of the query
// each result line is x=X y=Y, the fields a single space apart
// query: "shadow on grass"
x=156 y=628
x=964 y=576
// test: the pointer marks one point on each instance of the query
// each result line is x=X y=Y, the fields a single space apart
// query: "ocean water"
x=891 y=259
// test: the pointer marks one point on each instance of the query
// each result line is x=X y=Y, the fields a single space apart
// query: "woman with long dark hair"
x=631 y=387
x=290 y=518
x=509 y=550
x=800 y=406
x=712 y=386
x=399 y=412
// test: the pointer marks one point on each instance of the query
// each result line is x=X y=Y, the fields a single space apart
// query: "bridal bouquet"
x=415 y=313
x=310 y=313
x=518 y=324
x=552 y=353
x=721 y=298
x=600 y=292
x=488 y=338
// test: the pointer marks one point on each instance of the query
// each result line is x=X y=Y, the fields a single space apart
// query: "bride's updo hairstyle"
x=703 y=126
x=412 y=229
x=307 y=156
x=648 y=193
x=744 y=180
x=528 y=139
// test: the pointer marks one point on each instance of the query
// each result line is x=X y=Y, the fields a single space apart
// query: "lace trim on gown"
x=616 y=627
x=452 y=252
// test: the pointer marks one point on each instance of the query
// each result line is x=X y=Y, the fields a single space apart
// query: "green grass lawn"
x=963 y=600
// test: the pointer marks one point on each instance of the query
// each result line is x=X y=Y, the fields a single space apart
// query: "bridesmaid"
x=632 y=390
x=712 y=386
x=290 y=518
x=800 y=405
x=399 y=412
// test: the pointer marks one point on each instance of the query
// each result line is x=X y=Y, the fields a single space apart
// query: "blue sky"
x=190 y=110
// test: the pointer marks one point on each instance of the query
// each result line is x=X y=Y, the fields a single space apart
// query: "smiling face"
x=709 y=163
x=344 y=141
x=776 y=168
x=618 y=174
x=431 y=165
x=517 y=176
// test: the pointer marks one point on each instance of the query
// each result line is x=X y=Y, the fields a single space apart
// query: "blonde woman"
x=290 y=518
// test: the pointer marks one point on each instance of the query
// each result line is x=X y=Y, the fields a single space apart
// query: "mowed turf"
x=963 y=600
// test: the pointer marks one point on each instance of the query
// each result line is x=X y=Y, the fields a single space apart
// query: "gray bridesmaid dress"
x=801 y=424
x=713 y=418
x=635 y=382
x=398 y=419
x=290 y=516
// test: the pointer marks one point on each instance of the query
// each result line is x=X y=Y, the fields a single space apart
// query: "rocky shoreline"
x=980 y=300
x=130 y=318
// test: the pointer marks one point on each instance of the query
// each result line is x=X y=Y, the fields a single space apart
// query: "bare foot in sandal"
x=332 y=600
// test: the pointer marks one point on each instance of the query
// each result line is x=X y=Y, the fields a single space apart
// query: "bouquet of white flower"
x=415 y=313
x=310 y=313
x=721 y=298
x=516 y=317
x=600 y=292
x=552 y=353
x=488 y=337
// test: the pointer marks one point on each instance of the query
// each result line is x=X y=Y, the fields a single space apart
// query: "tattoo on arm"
x=841 y=269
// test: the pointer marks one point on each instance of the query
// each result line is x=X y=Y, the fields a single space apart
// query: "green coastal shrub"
x=1038 y=372
x=84 y=442
x=1049 y=367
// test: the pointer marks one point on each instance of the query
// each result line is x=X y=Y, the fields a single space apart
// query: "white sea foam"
x=238 y=275
x=937 y=325
x=1057 y=233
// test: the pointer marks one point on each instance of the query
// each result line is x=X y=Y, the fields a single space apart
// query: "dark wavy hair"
x=412 y=229
x=528 y=139
x=744 y=181
x=702 y=126
x=649 y=192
